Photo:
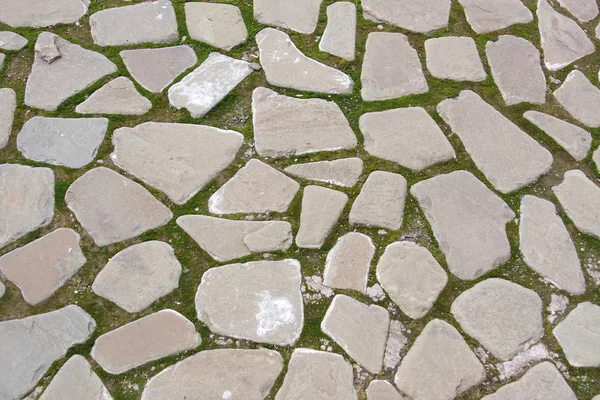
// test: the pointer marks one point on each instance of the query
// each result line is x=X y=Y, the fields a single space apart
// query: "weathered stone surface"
x=118 y=96
x=27 y=200
x=342 y=172
x=339 y=37
x=2 y=289
x=412 y=277
x=382 y=390
x=208 y=84
x=177 y=159
x=580 y=198
x=596 y=158
x=455 y=58
x=509 y=157
x=136 y=277
x=468 y=221
x=155 y=69
x=218 y=374
x=72 y=142
x=77 y=68
x=487 y=16
x=8 y=105
x=407 y=136
x=46 y=47
x=348 y=262
x=30 y=345
x=583 y=10
x=11 y=40
x=391 y=68
x=422 y=16
x=113 y=208
x=288 y=67
x=361 y=330
x=2 y=58
x=285 y=126
x=226 y=239
x=220 y=25
x=40 y=13
x=321 y=209
x=580 y=98
x=289 y=14
x=579 y=335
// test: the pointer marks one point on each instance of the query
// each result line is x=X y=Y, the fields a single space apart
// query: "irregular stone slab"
x=208 y=84
x=43 y=339
x=289 y=14
x=46 y=47
x=580 y=198
x=226 y=239
x=342 y=172
x=49 y=85
x=8 y=105
x=439 y=365
x=285 y=126
x=516 y=68
x=488 y=16
x=455 y=58
x=177 y=159
x=288 y=67
x=2 y=58
x=339 y=37
x=382 y=390
x=118 y=96
x=27 y=200
x=321 y=210
x=41 y=13
x=407 y=136
x=155 y=69
x=72 y=142
x=563 y=41
x=113 y=208
x=583 y=10
x=11 y=40
x=361 y=330
x=391 y=68
x=136 y=277
x=220 y=25
x=216 y=374
x=509 y=157
x=579 y=335
x=2 y=289
x=547 y=246
x=468 y=221
x=412 y=277
x=423 y=16
x=315 y=374
x=580 y=98
x=575 y=140
x=348 y=262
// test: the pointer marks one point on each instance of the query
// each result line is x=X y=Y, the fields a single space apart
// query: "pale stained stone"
x=137 y=276
x=30 y=345
x=72 y=142
x=488 y=16
x=259 y=301
x=315 y=374
x=455 y=58
x=213 y=374
x=391 y=68
x=112 y=208
x=468 y=221
x=579 y=335
x=49 y=85
x=412 y=277
x=407 y=136
x=289 y=14
x=11 y=40
x=177 y=159
x=321 y=210
x=508 y=157
x=118 y=96
x=226 y=239
x=382 y=390
x=580 y=198
x=342 y=172
x=41 y=13
x=27 y=201
x=361 y=330
x=46 y=47
x=8 y=105
x=285 y=126
x=580 y=98
x=208 y=84
x=220 y=25
x=422 y=16
x=339 y=37
x=583 y=10
x=348 y=262
x=288 y=67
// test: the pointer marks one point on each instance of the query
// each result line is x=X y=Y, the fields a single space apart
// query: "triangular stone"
x=118 y=96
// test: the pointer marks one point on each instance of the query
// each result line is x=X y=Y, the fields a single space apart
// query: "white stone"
x=339 y=37
x=118 y=96
x=421 y=16
x=580 y=98
x=41 y=13
x=487 y=16
x=522 y=361
x=342 y=172
x=11 y=40
x=396 y=342
x=220 y=25
x=8 y=105
x=289 y=14
x=382 y=390
x=348 y=262
x=455 y=58
x=321 y=210
x=583 y=10
x=579 y=335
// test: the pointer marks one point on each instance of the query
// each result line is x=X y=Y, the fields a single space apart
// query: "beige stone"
x=348 y=262
x=220 y=25
x=321 y=209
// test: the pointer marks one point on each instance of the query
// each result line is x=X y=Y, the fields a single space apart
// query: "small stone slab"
x=382 y=390
x=288 y=67
x=177 y=159
x=259 y=301
x=468 y=221
x=220 y=25
x=342 y=172
x=391 y=68
x=226 y=239
x=2 y=289
x=488 y=16
x=596 y=158
x=579 y=335
x=136 y=277
x=218 y=374
x=147 y=339
x=580 y=98
x=27 y=201
x=30 y=345
x=509 y=157
x=285 y=126
x=580 y=198
x=422 y=16
x=112 y=208
x=361 y=330
x=321 y=210
x=583 y=10
x=407 y=136
x=339 y=37
x=455 y=58
x=11 y=40
x=289 y=14
x=8 y=105
x=208 y=84
x=348 y=262
x=72 y=142
x=41 y=13
x=118 y=96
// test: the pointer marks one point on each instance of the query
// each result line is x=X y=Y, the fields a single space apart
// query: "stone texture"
x=220 y=25
x=580 y=98
x=46 y=47
x=487 y=16
x=580 y=198
x=118 y=96
x=348 y=262
x=382 y=390
x=455 y=58
x=112 y=208
x=41 y=13
x=596 y=158
x=289 y=14
x=321 y=210
x=11 y=40
x=342 y=172
x=8 y=105
x=583 y=10
x=468 y=221
x=288 y=67
x=2 y=289
x=579 y=335
x=423 y=16
x=177 y=159
x=339 y=37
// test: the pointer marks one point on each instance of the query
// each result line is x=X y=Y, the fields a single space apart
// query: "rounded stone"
x=579 y=335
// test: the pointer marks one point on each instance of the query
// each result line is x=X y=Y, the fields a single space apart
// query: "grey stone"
x=580 y=198
x=455 y=58
x=289 y=14
x=285 y=126
x=118 y=96
x=596 y=158
x=579 y=335
x=580 y=98
x=11 y=40
x=41 y=13
x=288 y=67
x=396 y=341
x=321 y=210
x=348 y=262
x=177 y=159
x=488 y=16
x=391 y=68
x=468 y=221
x=422 y=16
x=72 y=142
x=339 y=37
x=583 y=10
x=2 y=289
x=509 y=157
x=112 y=208
x=342 y=172
x=259 y=301
x=2 y=58
x=382 y=390
x=8 y=105
x=46 y=47
x=220 y=25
